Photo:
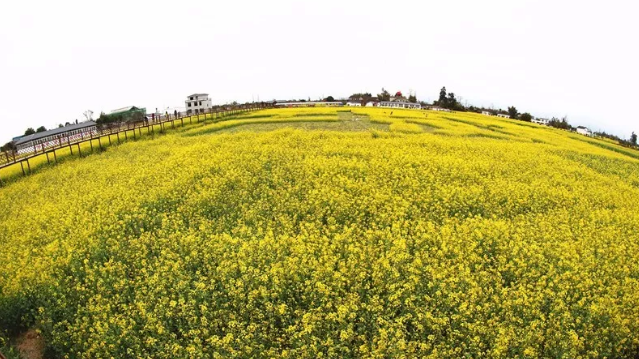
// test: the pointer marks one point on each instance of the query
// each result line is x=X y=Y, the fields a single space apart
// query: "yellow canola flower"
x=435 y=235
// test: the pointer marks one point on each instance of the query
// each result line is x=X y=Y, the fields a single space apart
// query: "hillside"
x=314 y=232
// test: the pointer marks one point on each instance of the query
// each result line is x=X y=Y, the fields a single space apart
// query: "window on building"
x=191 y=98
x=200 y=103
x=189 y=104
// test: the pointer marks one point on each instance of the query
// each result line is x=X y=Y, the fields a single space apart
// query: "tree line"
x=448 y=101
x=365 y=97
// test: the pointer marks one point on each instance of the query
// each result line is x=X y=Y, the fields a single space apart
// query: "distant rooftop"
x=290 y=103
x=198 y=94
x=400 y=102
x=55 y=131
x=125 y=109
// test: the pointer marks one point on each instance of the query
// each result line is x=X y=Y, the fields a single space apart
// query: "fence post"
x=100 y=143
x=79 y=150
x=29 y=165
x=47 y=154
x=55 y=157
x=22 y=166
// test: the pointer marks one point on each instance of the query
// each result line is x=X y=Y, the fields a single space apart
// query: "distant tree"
x=41 y=129
x=88 y=114
x=360 y=96
x=9 y=146
x=442 y=96
x=412 y=98
x=512 y=112
x=633 y=139
x=526 y=117
x=60 y=125
x=561 y=124
x=29 y=131
x=384 y=96
x=69 y=124
x=329 y=99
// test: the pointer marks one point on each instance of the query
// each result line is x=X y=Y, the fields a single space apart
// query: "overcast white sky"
x=548 y=57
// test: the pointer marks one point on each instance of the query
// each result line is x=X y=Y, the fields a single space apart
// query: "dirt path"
x=30 y=345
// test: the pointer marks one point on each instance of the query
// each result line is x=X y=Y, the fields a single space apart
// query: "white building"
x=197 y=103
x=486 y=113
x=583 y=131
x=371 y=104
x=436 y=108
x=354 y=103
x=397 y=104
x=329 y=103
x=541 y=121
x=503 y=115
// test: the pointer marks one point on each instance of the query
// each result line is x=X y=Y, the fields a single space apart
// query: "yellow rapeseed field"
x=313 y=233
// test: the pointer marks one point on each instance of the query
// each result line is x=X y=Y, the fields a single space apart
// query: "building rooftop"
x=198 y=94
x=125 y=109
x=56 y=131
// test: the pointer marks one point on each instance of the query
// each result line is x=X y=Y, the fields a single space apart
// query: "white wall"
x=583 y=131
x=195 y=104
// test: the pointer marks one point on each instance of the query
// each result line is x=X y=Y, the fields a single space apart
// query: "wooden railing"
x=10 y=158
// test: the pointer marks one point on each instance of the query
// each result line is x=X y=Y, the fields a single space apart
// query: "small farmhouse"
x=354 y=103
x=122 y=115
x=540 y=121
x=583 y=131
x=60 y=136
x=503 y=115
x=486 y=113
x=129 y=113
x=437 y=108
